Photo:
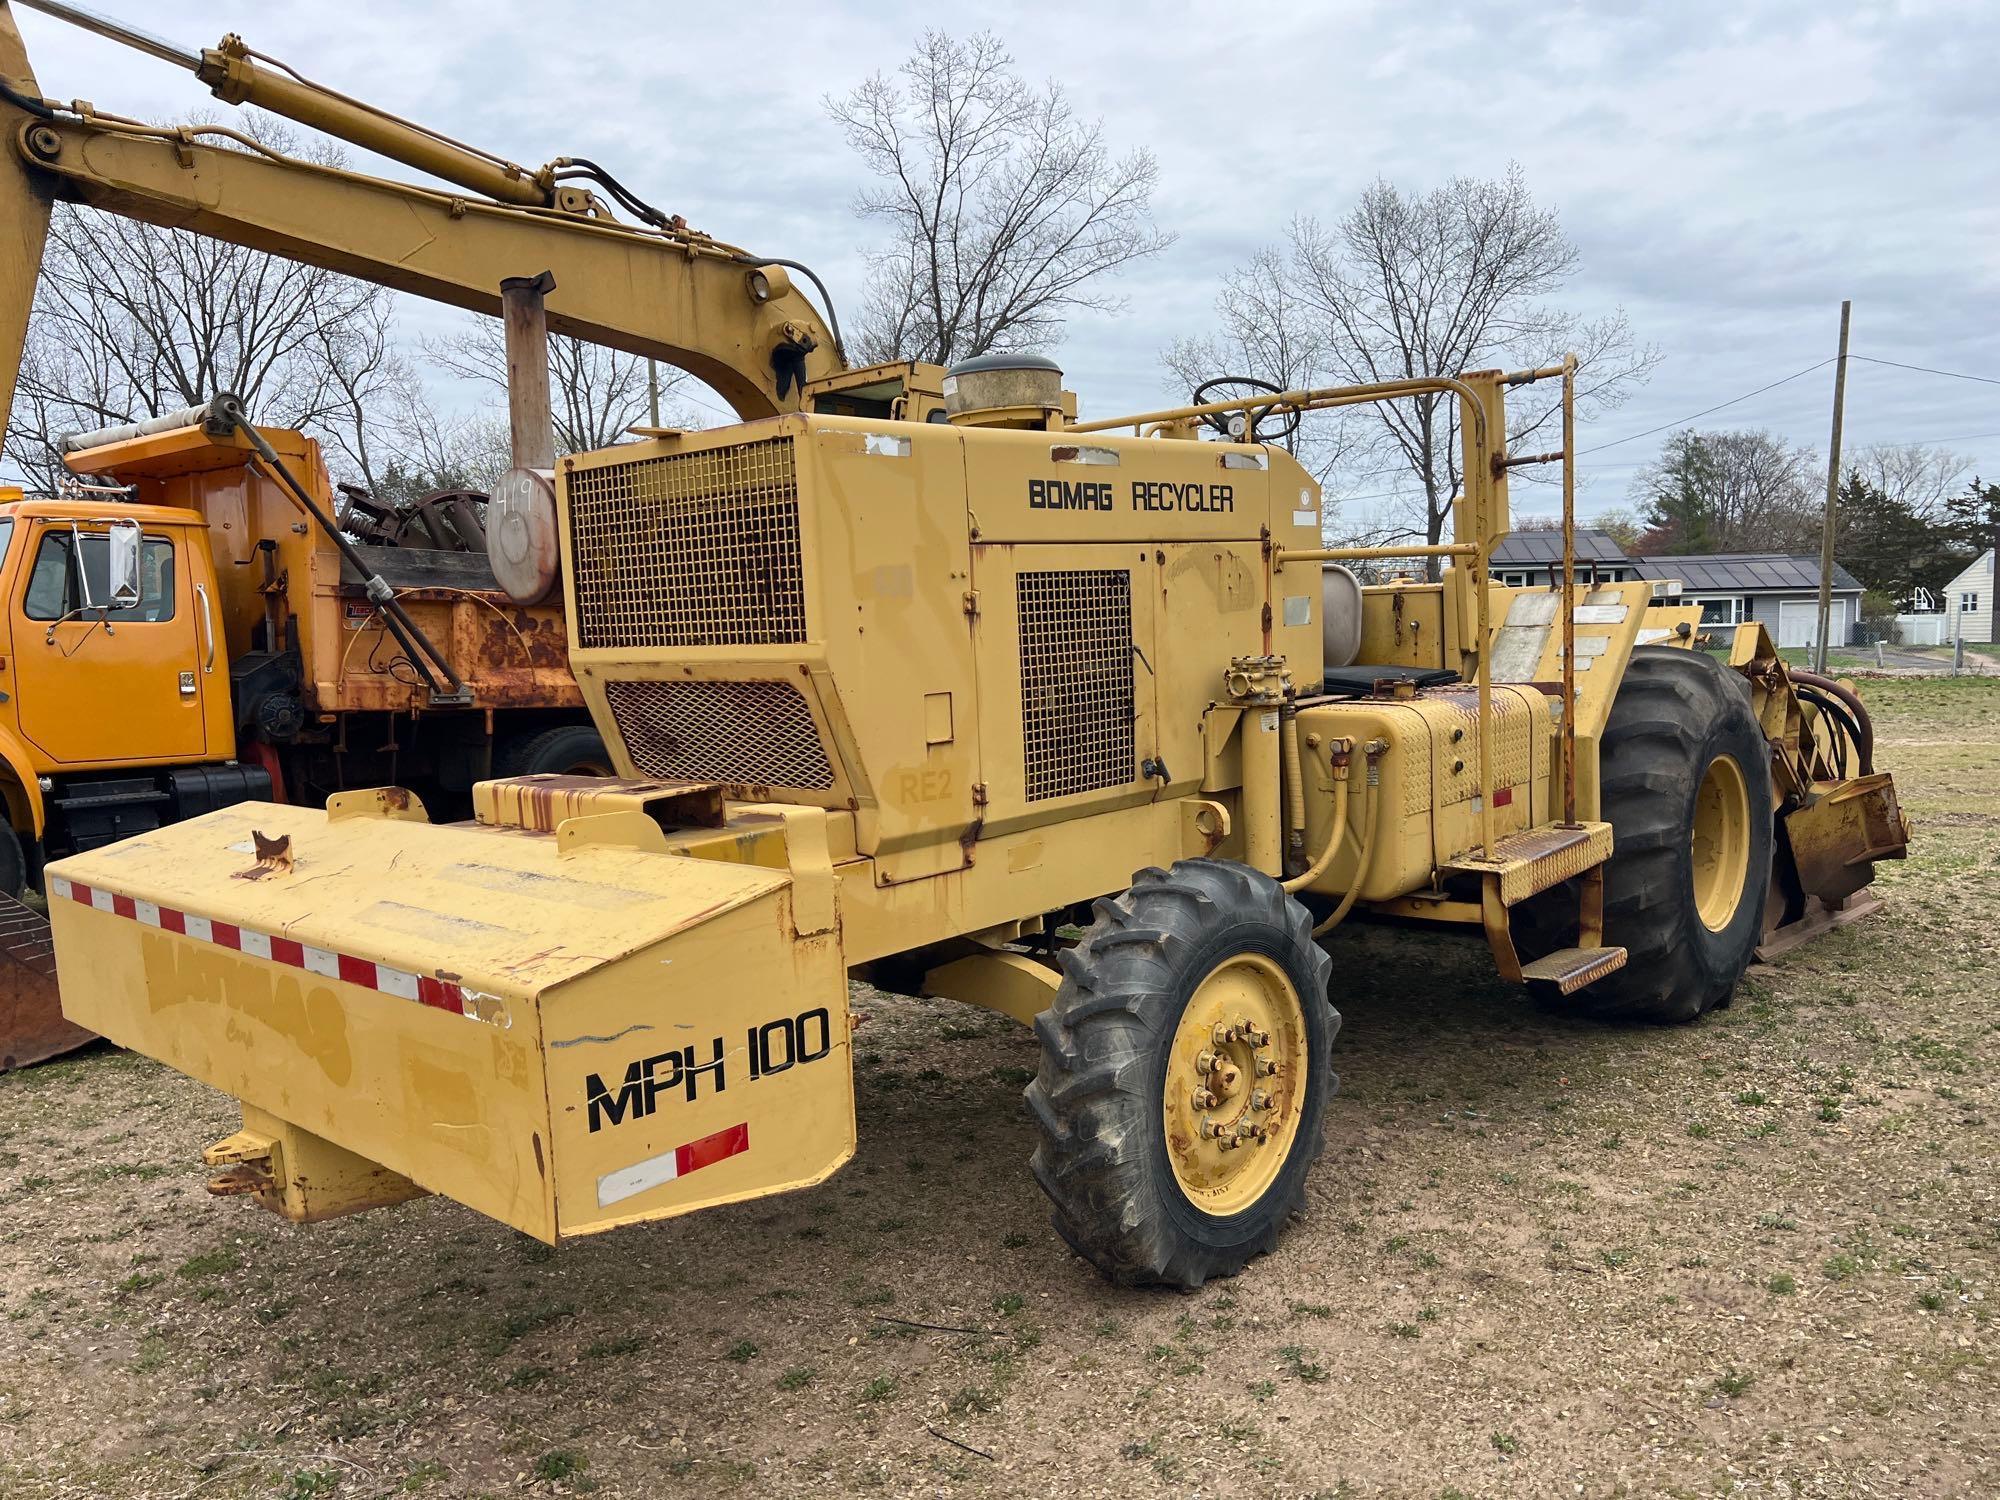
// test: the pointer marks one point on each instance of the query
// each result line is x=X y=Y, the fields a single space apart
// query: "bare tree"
x=1436 y=284
x=1918 y=476
x=1270 y=334
x=1005 y=211
x=131 y=320
x=595 y=393
x=1731 y=492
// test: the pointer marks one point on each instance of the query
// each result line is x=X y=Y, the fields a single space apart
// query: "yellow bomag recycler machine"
x=916 y=678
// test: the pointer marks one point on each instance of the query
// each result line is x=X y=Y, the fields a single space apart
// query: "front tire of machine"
x=1165 y=969
x=13 y=862
x=1685 y=779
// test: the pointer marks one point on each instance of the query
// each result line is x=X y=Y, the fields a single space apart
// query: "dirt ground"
x=1752 y=1256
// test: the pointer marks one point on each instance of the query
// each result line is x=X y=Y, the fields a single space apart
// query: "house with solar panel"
x=1779 y=588
x=1534 y=559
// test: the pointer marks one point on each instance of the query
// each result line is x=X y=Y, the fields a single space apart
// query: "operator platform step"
x=1568 y=970
x=1530 y=861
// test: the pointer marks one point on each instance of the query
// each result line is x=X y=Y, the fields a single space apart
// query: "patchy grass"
x=1537 y=1253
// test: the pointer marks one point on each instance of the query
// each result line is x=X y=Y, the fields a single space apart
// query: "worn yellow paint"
x=1235 y=1080
x=451 y=1103
x=608 y=928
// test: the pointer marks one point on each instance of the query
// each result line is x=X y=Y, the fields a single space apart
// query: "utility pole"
x=1832 y=490
x=653 y=388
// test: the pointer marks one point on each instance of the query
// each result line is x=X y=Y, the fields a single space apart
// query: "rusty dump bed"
x=564 y=1034
x=32 y=1026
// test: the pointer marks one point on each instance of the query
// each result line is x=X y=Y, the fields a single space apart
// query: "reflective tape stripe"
x=438 y=994
x=669 y=1166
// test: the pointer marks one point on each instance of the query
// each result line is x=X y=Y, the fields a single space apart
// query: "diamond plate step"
x=1529 y=862
x=1568 y=970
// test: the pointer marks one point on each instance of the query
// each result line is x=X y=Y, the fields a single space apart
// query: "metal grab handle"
x=207 y=626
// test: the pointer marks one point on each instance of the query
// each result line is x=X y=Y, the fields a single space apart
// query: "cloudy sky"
x=1728 y=172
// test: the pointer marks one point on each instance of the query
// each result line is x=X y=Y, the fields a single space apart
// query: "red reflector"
x=440 y=994
x=1503 y=796
x=711 y=1149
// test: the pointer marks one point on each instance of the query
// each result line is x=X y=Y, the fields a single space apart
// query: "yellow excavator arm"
x=657 y=288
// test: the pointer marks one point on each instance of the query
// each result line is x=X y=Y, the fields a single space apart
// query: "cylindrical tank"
x=1339 y=615
x=996 y=383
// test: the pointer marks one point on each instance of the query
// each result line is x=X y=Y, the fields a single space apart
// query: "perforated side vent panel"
x=1076 y=680
x=695 y=549
x=737 y=733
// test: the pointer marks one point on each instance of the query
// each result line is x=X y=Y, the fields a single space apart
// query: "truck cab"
x=115 y=711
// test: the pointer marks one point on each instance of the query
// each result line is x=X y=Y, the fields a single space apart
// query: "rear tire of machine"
x=1106 y=1047
x=1676 y=714
x=567 y=750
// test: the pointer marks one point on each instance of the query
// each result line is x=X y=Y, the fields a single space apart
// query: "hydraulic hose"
x=1295 y=785
x=1844 y=731
x=1336 y=836
x=25 y=102
x=1864 y=743
x=1371 y=816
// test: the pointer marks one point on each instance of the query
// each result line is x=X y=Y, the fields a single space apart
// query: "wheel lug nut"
x=1266 y=1068
x=1260 y=1100
x=1221 y=1036
x=1203 y=1099
x=1205 y=1063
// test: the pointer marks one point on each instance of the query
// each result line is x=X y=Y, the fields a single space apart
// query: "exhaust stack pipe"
x=521 y=516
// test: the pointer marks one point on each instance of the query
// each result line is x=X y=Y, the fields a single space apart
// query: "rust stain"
x=274 y=855
x=396 y=798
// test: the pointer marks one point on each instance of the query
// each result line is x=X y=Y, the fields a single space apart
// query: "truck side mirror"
x=122 y=565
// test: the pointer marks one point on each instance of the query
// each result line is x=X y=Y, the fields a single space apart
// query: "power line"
x=1720 y=406
x=1926 y=369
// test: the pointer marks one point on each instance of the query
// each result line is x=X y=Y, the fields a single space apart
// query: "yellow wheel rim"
x=1721 y=842
x=1236 y=1079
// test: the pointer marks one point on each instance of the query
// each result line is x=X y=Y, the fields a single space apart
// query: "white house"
x=1968 y=602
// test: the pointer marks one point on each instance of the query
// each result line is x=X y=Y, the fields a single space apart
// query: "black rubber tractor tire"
x=1106 y=1044
x=13 y=862
x=1676 y=714
x=567 y=750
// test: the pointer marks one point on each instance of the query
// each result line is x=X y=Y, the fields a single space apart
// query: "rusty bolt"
x=1222 y=1035
x=1205 y=1063
x=1266 y=1068
x=1260 y=1100
x=1203 y=1099
x=1208 y=1130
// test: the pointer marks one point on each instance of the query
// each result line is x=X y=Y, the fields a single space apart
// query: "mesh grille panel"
x=737 y=733
x=694 y=549
x=1076 y=680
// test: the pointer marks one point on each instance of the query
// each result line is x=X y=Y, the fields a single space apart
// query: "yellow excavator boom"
x=656 y=289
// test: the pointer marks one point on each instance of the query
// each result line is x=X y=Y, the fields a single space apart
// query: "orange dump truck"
x=179 y=634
